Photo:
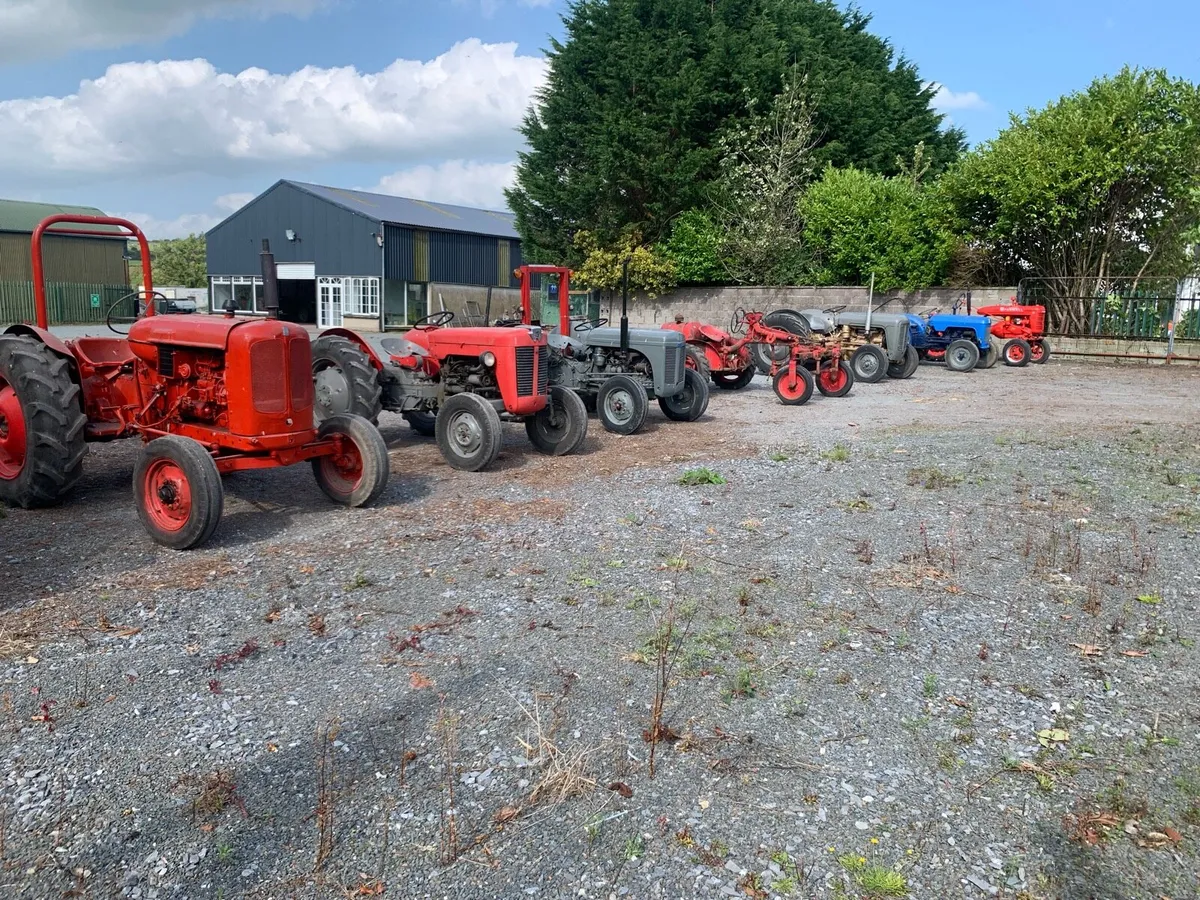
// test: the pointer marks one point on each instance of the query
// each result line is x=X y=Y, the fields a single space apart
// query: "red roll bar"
x=39 y=278
x=564 y=294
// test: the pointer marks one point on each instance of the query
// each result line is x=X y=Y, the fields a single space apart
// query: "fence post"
x=1171 y=321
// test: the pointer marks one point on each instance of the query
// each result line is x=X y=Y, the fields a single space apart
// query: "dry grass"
x=565 y=773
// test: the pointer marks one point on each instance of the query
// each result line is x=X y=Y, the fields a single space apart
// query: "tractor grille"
x=543 y=370
x=166 y=361
x=268 y=378
x=673 y=361
x=524 y=371
x=301 y=368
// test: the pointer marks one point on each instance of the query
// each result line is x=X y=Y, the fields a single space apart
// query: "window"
x=222 y=292
x=415 y=306
x=362 y=297
x=246 y=292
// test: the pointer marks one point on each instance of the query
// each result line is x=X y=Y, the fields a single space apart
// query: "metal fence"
x=1149 y=309
x=67 y=303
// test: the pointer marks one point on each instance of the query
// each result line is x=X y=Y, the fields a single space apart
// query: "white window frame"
x=331 y=296
x=361 y=296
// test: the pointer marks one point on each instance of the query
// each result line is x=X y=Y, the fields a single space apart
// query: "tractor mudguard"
x=52 y=341
x=358 y=339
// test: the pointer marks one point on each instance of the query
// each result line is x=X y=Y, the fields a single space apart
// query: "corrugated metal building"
x=373 y=260
x=84 y=275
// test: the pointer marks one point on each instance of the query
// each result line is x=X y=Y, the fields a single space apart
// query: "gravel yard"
x=936 y=639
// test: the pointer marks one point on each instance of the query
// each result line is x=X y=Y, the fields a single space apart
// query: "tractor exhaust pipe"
x=625 y=307
x=270 y=281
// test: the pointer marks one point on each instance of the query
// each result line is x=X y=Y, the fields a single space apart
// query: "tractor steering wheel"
x=588 y=326
x=435 y=320
x=737 y=323
x=835 y=309
x=110 y=319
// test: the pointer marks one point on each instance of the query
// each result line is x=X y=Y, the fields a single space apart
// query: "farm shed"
x=367 y=261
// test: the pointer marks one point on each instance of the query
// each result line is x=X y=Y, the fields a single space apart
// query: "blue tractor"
x=964 y=342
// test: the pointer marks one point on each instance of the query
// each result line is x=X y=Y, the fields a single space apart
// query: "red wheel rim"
x=344 y=469
x=936 y=354
x=12 y=433
x=792 y=388
x=833 y=378
x=168 y=495
x=1036 y=351
x=1013 y=353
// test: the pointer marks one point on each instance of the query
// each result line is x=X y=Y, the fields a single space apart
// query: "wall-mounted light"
x=379 y=238
x=290 y=235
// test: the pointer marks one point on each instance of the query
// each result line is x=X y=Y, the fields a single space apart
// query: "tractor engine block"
x=191 y=382
x=620 y=361
x=462 y=374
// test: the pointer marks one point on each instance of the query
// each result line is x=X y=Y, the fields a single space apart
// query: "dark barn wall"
x=448 y=257
x=337 y=240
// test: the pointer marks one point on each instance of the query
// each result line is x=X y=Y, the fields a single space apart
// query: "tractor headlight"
x=488 y=358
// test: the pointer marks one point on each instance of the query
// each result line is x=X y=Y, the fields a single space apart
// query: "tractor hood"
x=638 y=337
x=883 y=320
x=209 y=332
x=942 y=321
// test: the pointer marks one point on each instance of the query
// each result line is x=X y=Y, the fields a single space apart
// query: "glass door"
x=329 y=303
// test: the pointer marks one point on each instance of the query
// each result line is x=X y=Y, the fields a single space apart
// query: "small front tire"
x=622 y=405
x=561 y=427
x=690 y=403
x=1017 y=353
x=423 y=423
x=358 y=473
x=469 y=432
x=908 y=367
x=1039 y=351
x=793 y=391
x=836 y=381
x=962 y=356
x=869 y=363
x=178 y=492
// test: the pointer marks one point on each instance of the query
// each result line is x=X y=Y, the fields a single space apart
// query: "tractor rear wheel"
x=41 y=424
x=869 y=363
x=990 y=358
x=836 y=381
x=1039 y=351
x=178 y=492
x=962 y=355
x=793 y=391
x=344 y=381
x=358 y=474
x=727 y=382
x=690 y=403
x=560 y=428
x=908 y=367
x=622 y=405
x=469 y=432
x=423 y=423
x=1017 y=353
x=695 y=358
x=789 y=320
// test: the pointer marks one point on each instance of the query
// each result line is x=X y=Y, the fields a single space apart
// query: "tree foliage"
x=858 y=224
x=181 y=262
x=626 y=132
x=603 y=266
x=1102 y=183
x=694 y=248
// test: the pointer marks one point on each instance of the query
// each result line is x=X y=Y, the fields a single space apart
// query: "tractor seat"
x=104 y=351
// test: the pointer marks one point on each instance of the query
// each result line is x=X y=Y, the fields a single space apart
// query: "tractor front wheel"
x=869 y=364
x=469 y=432
x=178 y=492
x=358 y=473
x=990 y=358
x=727 y=382
x=962 y=355
x=690 y=403
x=561 y=427
x=908 y=367
x=1017 y=353
x=1039 y=351
x=622 y=405
x=423 y=423
x=793 y=391
x=41 y=424
x=344 y=381
x=836 y=381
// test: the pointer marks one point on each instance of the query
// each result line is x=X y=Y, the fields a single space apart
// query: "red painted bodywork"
x=242 y=387
x=728 y=354
x=1012 y=320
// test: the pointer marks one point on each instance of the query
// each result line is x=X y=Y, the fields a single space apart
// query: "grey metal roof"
x=417 y=213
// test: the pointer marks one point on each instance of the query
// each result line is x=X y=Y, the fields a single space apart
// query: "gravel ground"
x=936 y=639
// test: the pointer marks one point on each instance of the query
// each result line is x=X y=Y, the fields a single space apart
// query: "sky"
x=174 y=113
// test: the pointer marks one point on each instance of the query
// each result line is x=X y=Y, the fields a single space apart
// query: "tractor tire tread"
x=366 y=393
x=676 y=412
x=203 y=479
x=641 y=404
x=493 y=432
x=881 y=364
x=376 y=465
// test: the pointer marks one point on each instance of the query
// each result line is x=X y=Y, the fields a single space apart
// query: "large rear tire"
x=727 y=382
x=560 y=428
x=794 y=391
x=905 y=369
x=469 y=432
x=869 y=363
x=41 y=424
x=836 y=381
x=695 y=358
x=1017 y=353
x=690 y=403
x=178 y=492
x=344 y=381
x=962 y=355
x=621 y=405
x=789 y=320
x=1039 y=351
x=359 y=474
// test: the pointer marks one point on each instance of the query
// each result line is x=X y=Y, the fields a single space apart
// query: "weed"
x=1150 y=599
x=930 y=686
x=1191 y=815
x=224 y=853
x=948 y=760
x=843 y=678
x=217 y=792
x=902 y=641
x=244 y=652
x=447 y=732
x=326 y=795
x=359 y=581
x=616 y=564
x=316 y=624
x=839 y=453
x=635 y=847
x=857 y=505
x=914 y=723
x=666 y=653
x=933 y=479
x=880 y=881
x=779 y=457
x=745 y=684
x=701 y=476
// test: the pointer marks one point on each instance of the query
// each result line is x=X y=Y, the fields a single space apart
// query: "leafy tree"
x=603 y=267
x=1100 y=184
x=180 y=262
x=858 y=223
x=626 y=132
x=694 y=248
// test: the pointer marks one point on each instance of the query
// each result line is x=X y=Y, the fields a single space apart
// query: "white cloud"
x=231 y=203
x=181 y=226
x=184 y=116
x=35 y=29
x=946 y=100
x=455 y=181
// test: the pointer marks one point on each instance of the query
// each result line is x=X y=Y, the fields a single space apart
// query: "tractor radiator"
x=543 y=370
x=674 y=362
x=524 y=371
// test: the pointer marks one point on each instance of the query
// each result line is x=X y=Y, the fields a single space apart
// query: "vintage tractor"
x=208 y=395
x=616 y=369
x=456 y=384
x=1023 y=327
x=876 y=343
x=795 y=364
x=961 y=340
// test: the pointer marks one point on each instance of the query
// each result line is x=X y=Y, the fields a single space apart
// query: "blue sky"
x=177 y=116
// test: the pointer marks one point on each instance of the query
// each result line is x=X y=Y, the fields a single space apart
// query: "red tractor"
x=207 y=395
x=455 y=384
x=1024 y=327
x=795 y=363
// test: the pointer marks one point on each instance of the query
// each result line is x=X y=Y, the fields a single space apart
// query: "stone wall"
x=716 y=305
x=1136 y=352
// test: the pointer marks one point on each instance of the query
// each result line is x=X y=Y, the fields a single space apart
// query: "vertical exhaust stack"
x=270 y=281
x=625 y=307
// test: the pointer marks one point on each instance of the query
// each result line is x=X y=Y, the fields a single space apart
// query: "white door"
x=329 y=303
